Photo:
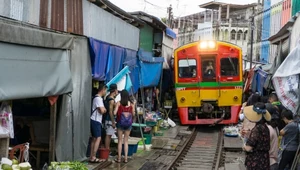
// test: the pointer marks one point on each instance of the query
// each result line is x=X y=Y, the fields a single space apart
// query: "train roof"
x=207 y=40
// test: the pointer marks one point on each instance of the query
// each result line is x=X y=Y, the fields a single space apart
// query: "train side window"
x=187 y=68
x=229 y=66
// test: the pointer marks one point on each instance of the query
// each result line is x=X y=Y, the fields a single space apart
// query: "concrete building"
x=220 y=21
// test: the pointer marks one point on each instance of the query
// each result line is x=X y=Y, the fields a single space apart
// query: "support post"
x=53 y=113
x=251 y=41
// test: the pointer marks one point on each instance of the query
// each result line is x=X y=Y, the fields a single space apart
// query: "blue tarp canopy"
x=99 y=56
x=170 y=33
x=131 y=61
x=259 y=80
x=108 y=60
x=150 y=69
x=116 y=57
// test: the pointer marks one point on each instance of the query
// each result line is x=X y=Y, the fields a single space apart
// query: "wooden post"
x=53 y=112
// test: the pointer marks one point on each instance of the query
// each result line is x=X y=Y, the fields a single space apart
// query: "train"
x=208 y=82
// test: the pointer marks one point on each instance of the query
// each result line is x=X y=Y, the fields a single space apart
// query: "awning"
x=131 y=61
x=115 y=61
x=170 y=33
x=99 y=57
x=106 y=59
x=150 y=69
x=28 y=72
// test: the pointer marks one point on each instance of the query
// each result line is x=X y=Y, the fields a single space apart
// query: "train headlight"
x=235 y=98
x=211 y=44
x=182 y=100
x=203 y=44
x=207 y=45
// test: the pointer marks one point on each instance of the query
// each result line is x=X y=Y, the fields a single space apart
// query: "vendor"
x=23 y=132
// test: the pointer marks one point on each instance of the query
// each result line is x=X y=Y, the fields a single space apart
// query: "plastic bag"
x=6 y=119
x=171 y=123
x=4 y=133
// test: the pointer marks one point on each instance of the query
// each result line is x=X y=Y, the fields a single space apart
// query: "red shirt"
x=123 y=109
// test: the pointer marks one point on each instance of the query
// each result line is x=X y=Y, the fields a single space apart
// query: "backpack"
x=106 y=105
x=125 y=119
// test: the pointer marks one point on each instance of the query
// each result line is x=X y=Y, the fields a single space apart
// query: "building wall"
x=276 y=11
x=286 y=12
x=295 y=34
x=264 y=58
x=175 y=41
x=146 y=38
x=295 y=6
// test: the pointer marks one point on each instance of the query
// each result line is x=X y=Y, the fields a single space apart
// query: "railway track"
x=202 y=151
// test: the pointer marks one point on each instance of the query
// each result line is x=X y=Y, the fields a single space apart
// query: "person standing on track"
x=125 y=111
x=247 y=126
x=258 y=144
x=98 y=110
x=110 y=123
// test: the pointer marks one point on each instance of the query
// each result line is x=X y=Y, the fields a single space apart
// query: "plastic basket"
x=151 y=124
x=159 y=133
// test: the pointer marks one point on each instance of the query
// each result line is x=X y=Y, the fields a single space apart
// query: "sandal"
x=125 y=161
x=117 y=160
x=96 y=160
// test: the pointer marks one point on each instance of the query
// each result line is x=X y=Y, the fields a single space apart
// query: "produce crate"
x=4 y=144
x=163 y=128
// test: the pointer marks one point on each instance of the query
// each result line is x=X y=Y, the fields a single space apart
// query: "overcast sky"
x=159 y=7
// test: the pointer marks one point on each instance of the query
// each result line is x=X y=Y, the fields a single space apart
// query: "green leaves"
x=68 y=166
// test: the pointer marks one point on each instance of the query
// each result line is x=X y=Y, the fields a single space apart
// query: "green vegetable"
x=6 y=167
x=15 y=162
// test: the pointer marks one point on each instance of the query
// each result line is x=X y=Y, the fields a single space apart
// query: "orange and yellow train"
x=208 y=82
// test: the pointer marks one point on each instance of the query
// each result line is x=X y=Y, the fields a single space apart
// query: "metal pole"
x=251 y=41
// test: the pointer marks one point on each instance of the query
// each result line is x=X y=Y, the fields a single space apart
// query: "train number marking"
x=238 y=87
x=180 y=89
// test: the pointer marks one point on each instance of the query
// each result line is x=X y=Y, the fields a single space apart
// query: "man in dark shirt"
x=273 y=99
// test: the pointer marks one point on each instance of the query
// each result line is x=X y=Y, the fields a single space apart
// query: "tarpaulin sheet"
x=150 y=69
x=19 y=33
x=286 y=80
x=28 y=72
x=115 y=61
x=123 y=81
x=99 y=53
x=73 y=126
x=261 y=78
x=171 y=33
x=131 y=61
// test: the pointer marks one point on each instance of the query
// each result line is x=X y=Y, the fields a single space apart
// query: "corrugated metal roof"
x=57 y=15
x=74 y=16
x=62 y=15
x=150 y=19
